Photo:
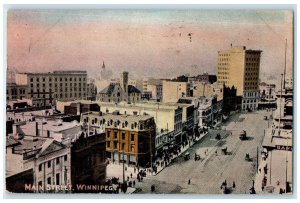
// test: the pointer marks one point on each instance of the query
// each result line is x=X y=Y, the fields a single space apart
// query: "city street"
x=207 y=174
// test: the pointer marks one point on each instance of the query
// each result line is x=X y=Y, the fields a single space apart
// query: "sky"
x=147 y=43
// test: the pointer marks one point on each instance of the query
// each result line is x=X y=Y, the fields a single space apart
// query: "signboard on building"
x=284 y=148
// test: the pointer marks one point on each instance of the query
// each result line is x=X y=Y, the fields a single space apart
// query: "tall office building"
x=239 y=67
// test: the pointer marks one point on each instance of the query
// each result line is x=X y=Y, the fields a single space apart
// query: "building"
x=150 y=81
x=172 y=91
x=205 y=78
x=278 y=146
x=58 y=153
x=91 y=90
x=47 y=159
x=79 y=108
x=231 y=102
x=14 y=91
x=156 y=91
x=168 y=118
x=202 y=89
x=88 y=160
x=208 y=110
x=120 y=91
x=267 y=96
x=45 y=88
x=136 y=83
x=129 y=138
x=240 y=67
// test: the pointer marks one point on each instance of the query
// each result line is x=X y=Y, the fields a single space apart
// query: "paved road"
x=208 y=174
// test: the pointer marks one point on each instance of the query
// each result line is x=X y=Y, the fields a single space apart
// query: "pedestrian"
x=233 y=184
x=189 y=182
x=216 y=152
x=133 y=183
x=134 y=170
x=225 y=183
x=142 y=178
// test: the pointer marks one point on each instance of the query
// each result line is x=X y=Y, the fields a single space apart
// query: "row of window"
x=49 y=162
x=60 y=84
x=115 y=146
x=252 y=59
x=122 y=134
x=49 y=182
x=251 y=78
x=223 y=73
x=56 y=79
x=255 y=73
x=15 y=91
x=250 y=83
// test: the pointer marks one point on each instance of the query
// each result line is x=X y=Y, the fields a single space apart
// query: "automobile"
x=186 y=156
x=243 y=135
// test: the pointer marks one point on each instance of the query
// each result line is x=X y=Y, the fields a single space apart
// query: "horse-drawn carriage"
x=224 y=150
x=197 y=157
x=243 y=135
x=247 y=157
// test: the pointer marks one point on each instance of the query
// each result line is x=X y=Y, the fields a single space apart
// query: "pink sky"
x=144 y=45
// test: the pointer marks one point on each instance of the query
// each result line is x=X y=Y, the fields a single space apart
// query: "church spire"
x=103 y=65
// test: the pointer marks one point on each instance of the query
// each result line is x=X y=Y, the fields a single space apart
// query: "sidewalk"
x=183 y=150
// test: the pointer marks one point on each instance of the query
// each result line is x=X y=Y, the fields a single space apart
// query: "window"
x=40 y=167
x=108 y=144
x=49 y=164
x=108 y=134
x=132 y=137
x=123 y=136
x=116 y=135
x=65 y=158
x=123 y=146
x=57 y=178
x=49 y=181
x=57 y=160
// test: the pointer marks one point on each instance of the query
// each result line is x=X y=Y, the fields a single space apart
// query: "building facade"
x=240 y=67
x=174 y=90
x=120 y=91
x=45 y=88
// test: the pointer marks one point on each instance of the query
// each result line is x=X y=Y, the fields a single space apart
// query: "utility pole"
x=257 y=161
x=284 y=65
x=270 y=166
x=280 y=104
